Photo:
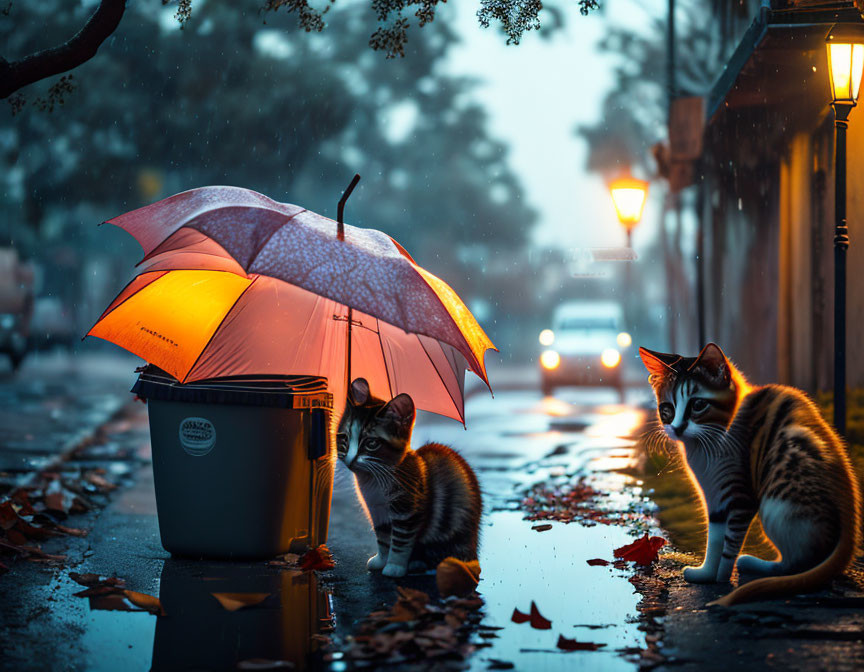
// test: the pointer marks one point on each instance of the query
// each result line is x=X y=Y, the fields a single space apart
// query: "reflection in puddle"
x=550 y=568
x=199 y=634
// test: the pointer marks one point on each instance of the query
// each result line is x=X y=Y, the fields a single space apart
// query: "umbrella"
x=235 y=284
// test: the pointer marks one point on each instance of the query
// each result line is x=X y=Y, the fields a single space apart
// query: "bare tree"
x=393 y=18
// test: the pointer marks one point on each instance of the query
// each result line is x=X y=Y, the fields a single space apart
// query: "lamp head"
x=628 y=196
x=845 y=44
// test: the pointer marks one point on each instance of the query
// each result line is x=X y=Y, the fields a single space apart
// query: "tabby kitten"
x=425 y=504
x=762 y=450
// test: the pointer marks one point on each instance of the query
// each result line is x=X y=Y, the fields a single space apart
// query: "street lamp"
x=628 y=196
x=845 y=45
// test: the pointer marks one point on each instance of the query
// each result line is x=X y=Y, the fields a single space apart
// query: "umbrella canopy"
x=234 y=283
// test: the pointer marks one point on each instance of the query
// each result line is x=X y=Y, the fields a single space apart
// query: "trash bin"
x=242 y=466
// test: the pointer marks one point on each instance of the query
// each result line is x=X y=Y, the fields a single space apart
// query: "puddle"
x=550 y=568
x=198 y=633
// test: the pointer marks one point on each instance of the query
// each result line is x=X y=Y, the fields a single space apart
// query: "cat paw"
x=750 y=565
x=394 y=571
x=699 y=575
x=376 y=563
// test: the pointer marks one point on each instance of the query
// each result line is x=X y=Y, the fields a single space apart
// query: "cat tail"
x=810 y=580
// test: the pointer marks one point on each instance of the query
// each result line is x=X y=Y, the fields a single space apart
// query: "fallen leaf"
x=537 y=621
x=456 y=577
x=96 y=479
x=572 y=645
x=519 y=617
x=8 y=516
x=598 y=562
x=56 y=501
x=112 y=601
x=643 y=551
x=90 y=580
x=495 y=664
x=542 y=528
x=317 y=559
x=145 y=601
x=235 y=601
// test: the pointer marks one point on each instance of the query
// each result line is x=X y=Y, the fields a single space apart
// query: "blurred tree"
x=633 y=118
x=515 y=16
x=228 y=100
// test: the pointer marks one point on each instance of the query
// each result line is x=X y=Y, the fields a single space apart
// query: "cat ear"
x=657 y=363
x=359 y=392
x=400 y=409
x=713 y=360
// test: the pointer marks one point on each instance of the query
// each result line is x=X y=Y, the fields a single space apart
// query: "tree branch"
x=79 y=49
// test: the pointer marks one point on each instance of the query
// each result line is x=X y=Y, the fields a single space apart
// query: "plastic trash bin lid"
x=154 y=383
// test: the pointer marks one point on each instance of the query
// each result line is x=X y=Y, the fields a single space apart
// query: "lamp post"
x=845 y=63
x=628 y=196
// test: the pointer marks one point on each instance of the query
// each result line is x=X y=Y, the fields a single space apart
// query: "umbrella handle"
x=340 y=224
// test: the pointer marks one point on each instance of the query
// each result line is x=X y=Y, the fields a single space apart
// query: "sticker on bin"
x=197 y=436
x=323 y=400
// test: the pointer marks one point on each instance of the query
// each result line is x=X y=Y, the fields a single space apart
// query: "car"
x=583 y=346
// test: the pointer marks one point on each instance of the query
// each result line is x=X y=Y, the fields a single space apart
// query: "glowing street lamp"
x=628 y=196
x=845 y=45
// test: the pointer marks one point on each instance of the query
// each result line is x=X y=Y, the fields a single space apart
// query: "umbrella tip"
x=340 y=232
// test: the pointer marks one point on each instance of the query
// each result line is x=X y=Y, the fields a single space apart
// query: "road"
x=638 y=619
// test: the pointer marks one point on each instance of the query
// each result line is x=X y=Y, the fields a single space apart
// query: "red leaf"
x=572 y=645
x=642 y=551
x=317 y=558
x=542 y=528
x=519 y=617
x=537 y=621
x=598 y=562
x=8 y=516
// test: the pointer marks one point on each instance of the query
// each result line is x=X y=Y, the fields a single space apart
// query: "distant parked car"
x=583 y=346
x=16 y=305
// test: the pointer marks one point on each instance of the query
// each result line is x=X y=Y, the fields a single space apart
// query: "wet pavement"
x=638 y=619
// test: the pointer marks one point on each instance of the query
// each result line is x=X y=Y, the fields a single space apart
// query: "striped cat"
x=424 y=504
x=762 y=450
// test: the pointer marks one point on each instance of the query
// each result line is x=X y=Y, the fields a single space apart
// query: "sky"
x=551 y=86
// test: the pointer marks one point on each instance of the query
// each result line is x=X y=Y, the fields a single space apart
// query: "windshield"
x=587 y=324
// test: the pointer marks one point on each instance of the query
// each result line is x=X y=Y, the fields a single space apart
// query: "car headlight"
x=547 y=337
x=624 y=340
x=610 y=358
x=550 y=360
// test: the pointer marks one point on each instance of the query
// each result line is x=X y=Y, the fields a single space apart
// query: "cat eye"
x=667 y=412
x=699 y=405
x=371 y=445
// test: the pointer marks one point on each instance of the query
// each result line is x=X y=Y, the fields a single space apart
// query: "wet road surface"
x=514 y=441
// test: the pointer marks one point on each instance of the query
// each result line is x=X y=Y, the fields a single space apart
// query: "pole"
x=340 y=234
x=841 y=244
x=700 y=263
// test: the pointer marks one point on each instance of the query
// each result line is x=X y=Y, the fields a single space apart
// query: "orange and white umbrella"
x=234 y=283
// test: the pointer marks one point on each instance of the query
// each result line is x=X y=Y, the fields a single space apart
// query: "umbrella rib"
x=383 y=355
x=253 y=257
x=216 y=330
x=432 y=362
